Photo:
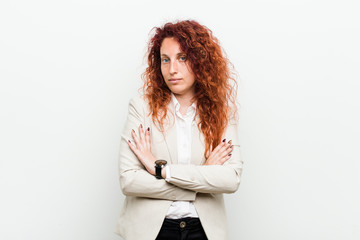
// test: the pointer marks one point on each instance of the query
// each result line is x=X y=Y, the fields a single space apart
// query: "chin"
x=176 y=91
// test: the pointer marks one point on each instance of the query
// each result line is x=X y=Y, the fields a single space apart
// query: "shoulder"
x=138 y=101
x=139 y=105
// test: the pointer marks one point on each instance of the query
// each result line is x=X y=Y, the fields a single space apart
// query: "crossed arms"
x=136 y=176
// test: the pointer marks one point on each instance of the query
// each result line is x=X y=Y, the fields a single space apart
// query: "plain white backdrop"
x=69 y=68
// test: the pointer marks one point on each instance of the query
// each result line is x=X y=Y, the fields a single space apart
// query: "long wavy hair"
x=215 y=86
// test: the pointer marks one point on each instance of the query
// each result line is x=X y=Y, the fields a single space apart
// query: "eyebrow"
x=164 y=55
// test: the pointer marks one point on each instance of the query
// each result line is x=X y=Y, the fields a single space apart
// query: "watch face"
x=160 y=162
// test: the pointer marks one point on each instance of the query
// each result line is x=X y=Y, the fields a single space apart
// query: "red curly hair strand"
x=215 y=86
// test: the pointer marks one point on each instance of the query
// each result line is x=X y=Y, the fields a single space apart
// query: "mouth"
x=174 y=80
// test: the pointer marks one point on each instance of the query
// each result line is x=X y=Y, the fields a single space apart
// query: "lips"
x=174 y=79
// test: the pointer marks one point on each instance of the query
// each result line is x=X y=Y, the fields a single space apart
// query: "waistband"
x=182 y=223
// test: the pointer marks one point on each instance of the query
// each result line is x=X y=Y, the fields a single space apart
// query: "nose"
x=173 y=67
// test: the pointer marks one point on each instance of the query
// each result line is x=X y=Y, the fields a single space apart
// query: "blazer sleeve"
x=212 y=178
x=134 y=179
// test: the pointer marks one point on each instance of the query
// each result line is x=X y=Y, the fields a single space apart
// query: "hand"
x=142 y=149
x=220 y=154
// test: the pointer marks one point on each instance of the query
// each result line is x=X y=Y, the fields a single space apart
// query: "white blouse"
x=184 y=125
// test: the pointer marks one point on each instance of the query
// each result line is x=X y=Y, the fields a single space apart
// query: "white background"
x=69 y=68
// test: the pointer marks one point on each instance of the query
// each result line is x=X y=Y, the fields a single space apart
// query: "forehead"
x=170 y=46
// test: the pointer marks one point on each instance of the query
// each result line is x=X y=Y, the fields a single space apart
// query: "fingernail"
x=229 y=154
x=129 y=141
x=231 y=146
x=224 y=140
x=230 y=141
x=148 y=129
x=133 y=130
x=141 y=126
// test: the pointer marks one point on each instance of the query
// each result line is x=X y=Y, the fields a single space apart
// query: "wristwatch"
x=159 y=164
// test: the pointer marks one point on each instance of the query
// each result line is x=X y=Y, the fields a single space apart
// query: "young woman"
x=180 y=149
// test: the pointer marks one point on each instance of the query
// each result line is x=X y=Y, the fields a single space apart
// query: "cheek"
x=164 y=69
x=190 y=76
x=189 y=72
x=164 y=74
x=193 y=80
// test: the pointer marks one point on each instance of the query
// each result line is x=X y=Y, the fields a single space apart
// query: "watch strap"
x=158 y=172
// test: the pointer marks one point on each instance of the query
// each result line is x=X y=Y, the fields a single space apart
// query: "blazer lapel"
x=197 y=145
x=170 y=135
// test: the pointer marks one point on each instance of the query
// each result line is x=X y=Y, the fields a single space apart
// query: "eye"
x=165 y=60
x=182 y=58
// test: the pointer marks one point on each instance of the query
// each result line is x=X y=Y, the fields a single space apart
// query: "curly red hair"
x=215 y=96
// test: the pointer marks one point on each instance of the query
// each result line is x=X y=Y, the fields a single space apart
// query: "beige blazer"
x=148 y=199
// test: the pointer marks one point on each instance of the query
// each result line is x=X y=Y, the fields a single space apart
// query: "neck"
x=185 y=101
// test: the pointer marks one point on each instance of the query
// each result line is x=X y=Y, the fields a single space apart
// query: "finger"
x=225 y=153
x=230 y=143
x=136 y=139
x=132 y=147
x=219 y=151
x=218 y=147
x=141 y=133
x=224 y=148
x=230 y=149
x=147 y=138
x=224 y=159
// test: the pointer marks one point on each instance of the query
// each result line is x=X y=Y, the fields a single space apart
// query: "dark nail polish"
x=230 y=141
x=133 y=130
x=229 y=154
x=224 y=140
x=129 y=141
x=148 y=129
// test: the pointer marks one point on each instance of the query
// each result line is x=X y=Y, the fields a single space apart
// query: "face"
x=176 y=71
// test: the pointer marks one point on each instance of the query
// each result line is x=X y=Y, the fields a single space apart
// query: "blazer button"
x=182 y=224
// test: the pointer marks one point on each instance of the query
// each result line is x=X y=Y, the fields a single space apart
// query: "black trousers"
x=181 y=229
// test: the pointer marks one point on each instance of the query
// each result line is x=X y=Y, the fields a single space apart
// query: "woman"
x=179 y=150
